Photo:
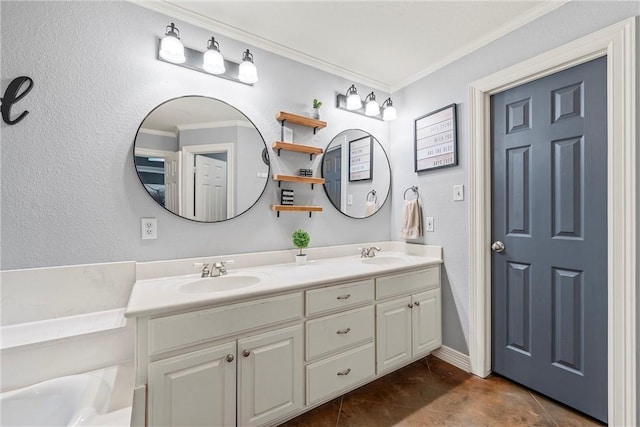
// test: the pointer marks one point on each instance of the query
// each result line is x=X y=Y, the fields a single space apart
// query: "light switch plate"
x=349 y=199
x=458 y=192
x=428 y=223
x=149 y=228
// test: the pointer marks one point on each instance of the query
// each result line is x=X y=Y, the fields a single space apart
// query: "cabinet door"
x=194 y=389
x=427 y=329
x=393 y=326
x=270 y=376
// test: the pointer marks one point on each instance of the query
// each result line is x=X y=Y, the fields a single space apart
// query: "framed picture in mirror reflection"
x=360 y=159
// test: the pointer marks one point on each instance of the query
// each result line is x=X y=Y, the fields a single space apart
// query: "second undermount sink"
x=220 y=284
x=383 y=260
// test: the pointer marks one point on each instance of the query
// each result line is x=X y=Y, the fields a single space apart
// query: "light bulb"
x=212 y=61
x=171 y=48
x=353 y=100
x=247 y=72
x=389 y=113
x=371 y=108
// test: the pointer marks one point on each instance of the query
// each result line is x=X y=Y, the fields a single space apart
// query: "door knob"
x=497 y=246
x=246 y=353
x=230 y=357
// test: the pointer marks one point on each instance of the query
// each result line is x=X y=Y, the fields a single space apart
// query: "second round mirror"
x=357 y=173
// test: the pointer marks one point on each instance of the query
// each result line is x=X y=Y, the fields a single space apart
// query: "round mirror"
x=357 y=173
x=201 y=158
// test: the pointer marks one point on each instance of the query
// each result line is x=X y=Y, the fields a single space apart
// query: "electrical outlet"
x=149 y=228
x=458 y=192
x=428 y=224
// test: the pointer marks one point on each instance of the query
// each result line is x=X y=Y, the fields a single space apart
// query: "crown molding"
x=501 y=31
x=212 y=125
x=158 y=132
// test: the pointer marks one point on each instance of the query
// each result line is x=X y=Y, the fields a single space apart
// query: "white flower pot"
x=301 y=259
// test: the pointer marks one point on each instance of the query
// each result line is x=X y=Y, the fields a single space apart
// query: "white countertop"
x=163 y=295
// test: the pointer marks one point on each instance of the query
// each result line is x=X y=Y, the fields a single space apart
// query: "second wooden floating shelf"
x=301 y=179
x=298 y=148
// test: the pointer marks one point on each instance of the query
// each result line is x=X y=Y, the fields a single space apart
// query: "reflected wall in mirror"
x=201 y=158
x=357 y=173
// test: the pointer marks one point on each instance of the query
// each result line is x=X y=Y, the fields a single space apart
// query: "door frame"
x=188 y=154
x=618 y=44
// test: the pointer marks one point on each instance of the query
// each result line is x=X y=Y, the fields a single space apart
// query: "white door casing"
x=617 y=42
x=188 y=162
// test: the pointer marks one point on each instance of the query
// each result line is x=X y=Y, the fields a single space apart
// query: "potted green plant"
x=316 y=109
x=301 y=240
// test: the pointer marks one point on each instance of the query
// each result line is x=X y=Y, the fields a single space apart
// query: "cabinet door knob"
x=343 y=331
x=230 y=357
x=347 y=296
x=246 y=353
x=417 y=303
x=345 y=372
x=410 y=305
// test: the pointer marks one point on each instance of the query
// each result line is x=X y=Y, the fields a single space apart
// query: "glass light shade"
x=172 y=50
x=213 y=62
x=372 y=108
x=248 y=73
x=389 y=113
x=353 y=102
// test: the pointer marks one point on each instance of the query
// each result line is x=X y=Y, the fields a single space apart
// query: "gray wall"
x=449 y=85
x=95 y=81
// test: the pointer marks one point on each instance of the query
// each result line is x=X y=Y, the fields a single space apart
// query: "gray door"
x=549 y=209
x=332 y=171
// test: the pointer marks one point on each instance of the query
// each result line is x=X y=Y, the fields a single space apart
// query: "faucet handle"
x=205 y=267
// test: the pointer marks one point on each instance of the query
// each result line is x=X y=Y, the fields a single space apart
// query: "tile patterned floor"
x=432 y=392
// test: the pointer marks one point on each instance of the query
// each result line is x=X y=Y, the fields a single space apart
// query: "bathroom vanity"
x=266 y=343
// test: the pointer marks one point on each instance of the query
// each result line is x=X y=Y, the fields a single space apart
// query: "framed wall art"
x=360 y=159
x=436 y=144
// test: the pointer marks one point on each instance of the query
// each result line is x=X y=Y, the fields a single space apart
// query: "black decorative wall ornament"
x=13 y=95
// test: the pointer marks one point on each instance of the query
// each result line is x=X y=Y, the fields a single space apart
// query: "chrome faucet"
x=369 y=252
x=219 y=268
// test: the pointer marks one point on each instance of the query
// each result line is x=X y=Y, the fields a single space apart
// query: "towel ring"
x=372 y=196
x=413 y=188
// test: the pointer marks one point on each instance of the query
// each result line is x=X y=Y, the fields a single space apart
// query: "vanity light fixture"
x=371 y=107
x=248 y=73
x=210 y=61
x=171 y=48
x=388 y=110
x=213 y=61
x=353 y=100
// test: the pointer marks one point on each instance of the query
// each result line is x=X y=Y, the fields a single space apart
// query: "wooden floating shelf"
x=298 y=148
x=300 y=120
x=294 y=208
x=301 y=179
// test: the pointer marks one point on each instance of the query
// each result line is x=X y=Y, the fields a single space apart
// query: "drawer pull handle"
x=246 y=353
x=343 y=331
x=417 y=303
x=345 y=372
x=230 y=358
x=347 y=296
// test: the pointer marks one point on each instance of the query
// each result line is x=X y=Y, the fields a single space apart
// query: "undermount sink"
x=383 y=260
x=219 y=284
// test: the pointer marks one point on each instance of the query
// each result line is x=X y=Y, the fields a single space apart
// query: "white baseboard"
x=454 y=357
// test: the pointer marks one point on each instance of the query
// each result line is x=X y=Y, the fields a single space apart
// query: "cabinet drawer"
x=338 y=331
x=172 y=332
x=407 y=283
x=339 y=372
x=339 y=296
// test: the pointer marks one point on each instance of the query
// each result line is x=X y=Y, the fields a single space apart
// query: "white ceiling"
x=384 y=44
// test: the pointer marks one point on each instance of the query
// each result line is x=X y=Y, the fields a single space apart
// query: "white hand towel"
x=411 y=227
x=370 y=208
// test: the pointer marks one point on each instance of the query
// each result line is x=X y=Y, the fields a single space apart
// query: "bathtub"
x=74 y=400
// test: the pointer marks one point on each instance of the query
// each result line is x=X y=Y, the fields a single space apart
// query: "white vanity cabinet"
x=257 y=376
x=408 y=318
